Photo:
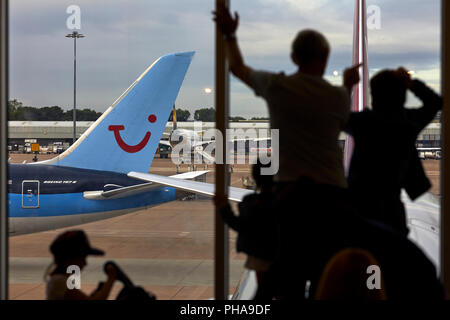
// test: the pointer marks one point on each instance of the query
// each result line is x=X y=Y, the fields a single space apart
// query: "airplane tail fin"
x=174 y=115
x=126 y=136
x=360 y=91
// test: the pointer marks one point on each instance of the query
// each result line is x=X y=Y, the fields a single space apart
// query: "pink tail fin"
x=360 y=92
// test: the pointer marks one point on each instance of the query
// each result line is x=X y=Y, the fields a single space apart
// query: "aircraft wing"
x=122 y=192
x=189 y=175
x=206 y=189
x=424 y=225
x=423 y=214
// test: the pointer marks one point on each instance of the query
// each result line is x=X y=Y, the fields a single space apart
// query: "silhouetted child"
x=70 y=249
x=256 y=224
x=344 y=277
x=385 y=159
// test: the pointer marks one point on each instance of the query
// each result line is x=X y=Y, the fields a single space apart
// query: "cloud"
x=124 y=37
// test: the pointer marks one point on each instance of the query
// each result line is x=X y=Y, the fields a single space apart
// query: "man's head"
x=388 y=89
x=310 y=51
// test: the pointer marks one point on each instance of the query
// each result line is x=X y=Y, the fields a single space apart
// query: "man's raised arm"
x=228 y=26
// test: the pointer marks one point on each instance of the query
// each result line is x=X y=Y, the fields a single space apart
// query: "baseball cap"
x=73 y=243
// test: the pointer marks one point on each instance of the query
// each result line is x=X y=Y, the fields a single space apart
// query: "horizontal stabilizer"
x=119 y=192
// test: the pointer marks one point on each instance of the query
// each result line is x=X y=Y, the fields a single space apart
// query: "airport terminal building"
x=49 y=133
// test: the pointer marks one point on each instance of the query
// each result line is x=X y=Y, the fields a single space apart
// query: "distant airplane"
x=194 y=143
x=430 y=153
x=192 y=140
x=89 y=182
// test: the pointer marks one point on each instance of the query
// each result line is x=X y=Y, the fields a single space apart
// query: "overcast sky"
x=124 y=37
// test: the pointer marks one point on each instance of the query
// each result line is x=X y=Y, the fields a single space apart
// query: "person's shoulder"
x=260 y=81
x=58 y=277
x=56 y=286
x=337 y=94
x=57 y=280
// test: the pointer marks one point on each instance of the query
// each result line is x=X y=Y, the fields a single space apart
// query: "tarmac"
x=167 y=249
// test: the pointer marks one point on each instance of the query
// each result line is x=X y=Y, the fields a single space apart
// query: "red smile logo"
x=126 y=147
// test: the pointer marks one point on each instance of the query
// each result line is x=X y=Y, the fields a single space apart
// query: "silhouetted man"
x=309 y=112
x=385 y=159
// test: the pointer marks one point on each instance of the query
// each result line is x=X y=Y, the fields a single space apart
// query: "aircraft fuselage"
x=44 y=197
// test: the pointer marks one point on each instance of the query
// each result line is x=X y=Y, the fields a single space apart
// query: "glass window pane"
x=268 y=28
x=167 y=245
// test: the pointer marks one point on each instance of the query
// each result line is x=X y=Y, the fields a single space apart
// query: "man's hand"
x=111 y=272
x=228 y=26
x=404 y=75
x=351 y=77
x=225 y=21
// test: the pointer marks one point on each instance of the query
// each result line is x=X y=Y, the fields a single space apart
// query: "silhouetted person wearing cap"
x=385 y=159
x=71 y=249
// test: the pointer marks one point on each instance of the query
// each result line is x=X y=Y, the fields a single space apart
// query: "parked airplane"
x=89 y=182
x=192 y=141
x=430 y=153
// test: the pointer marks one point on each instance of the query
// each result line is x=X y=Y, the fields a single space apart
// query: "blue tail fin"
x=126 y=136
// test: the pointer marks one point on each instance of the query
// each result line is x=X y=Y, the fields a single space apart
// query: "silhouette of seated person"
x=318 y=221
x=385 y=159
x=343 y=277
x=71 y=248
x=256 y=223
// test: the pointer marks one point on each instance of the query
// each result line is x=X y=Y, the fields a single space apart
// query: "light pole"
x=75 y=35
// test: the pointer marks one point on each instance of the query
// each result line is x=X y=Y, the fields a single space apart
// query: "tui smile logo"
x=126 y=147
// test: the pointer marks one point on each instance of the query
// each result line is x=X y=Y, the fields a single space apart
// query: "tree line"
x=18 y=112
x=207 y=115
